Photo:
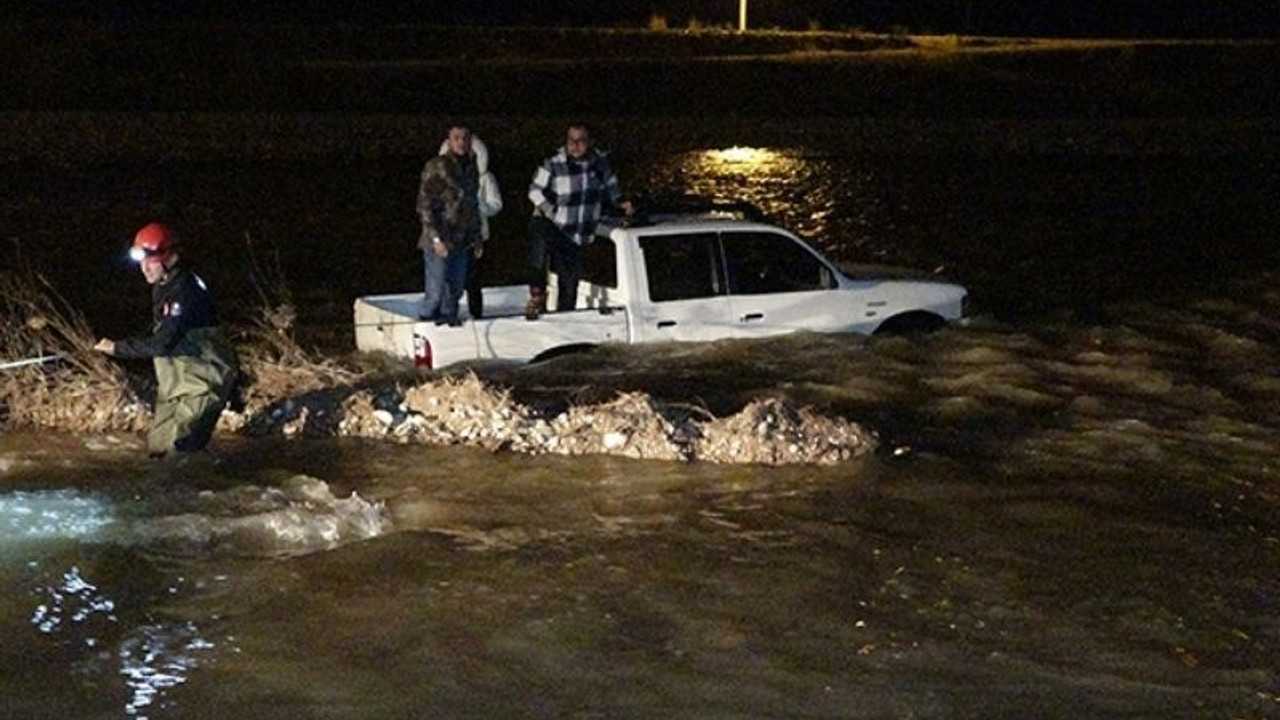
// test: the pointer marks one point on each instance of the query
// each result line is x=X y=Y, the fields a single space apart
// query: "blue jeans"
x=444 y=279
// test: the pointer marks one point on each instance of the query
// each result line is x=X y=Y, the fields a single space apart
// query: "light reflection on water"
x=75 y=601
x=80 y=621
x=155 y=659
x=137 y=646
x=805 y=191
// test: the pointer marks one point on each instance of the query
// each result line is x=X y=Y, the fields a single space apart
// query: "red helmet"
x=155 y=240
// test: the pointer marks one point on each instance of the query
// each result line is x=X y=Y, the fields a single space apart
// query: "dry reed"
x=78 y=388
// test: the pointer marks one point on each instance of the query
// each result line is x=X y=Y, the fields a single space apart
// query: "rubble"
x=463 y=410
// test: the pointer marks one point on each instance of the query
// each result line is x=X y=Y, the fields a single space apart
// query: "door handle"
x=666 y=323
x=752 y=316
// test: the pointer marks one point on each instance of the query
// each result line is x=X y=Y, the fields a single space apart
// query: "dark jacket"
x=448 y=201
x=178 y=305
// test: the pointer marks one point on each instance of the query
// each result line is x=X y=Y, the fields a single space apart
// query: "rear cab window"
x=682 y=267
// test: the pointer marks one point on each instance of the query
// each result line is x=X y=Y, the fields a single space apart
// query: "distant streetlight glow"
x=742 y=15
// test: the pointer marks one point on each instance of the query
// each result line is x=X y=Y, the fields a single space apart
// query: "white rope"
x=29 y=361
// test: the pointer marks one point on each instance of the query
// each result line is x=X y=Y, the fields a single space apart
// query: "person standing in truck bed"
x=569 y=192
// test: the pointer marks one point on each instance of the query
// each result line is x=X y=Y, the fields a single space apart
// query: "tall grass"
x=81 y=389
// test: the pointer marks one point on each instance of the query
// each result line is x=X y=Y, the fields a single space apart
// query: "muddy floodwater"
x=1072 y=512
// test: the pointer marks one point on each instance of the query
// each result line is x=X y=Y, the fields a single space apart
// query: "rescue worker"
x=196 y=366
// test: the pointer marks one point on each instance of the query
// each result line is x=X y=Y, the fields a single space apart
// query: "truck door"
x=778 y=285
x=686 y=291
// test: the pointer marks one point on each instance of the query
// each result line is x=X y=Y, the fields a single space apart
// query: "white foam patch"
x=301 y=516
x=48 y=514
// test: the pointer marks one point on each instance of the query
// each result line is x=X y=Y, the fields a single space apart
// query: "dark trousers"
x=551 y=248
x=475 y=287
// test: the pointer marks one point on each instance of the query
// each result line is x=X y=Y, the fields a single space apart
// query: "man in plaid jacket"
x=569 y=191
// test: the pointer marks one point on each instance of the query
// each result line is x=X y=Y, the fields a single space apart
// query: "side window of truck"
x=681 y=267
x=760 y=263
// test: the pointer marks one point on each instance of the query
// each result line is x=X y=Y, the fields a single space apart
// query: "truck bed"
x=390 y=324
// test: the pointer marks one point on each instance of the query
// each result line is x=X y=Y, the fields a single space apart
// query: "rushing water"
x=1073 y=512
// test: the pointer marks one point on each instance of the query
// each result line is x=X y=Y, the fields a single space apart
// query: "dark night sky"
x=1112 y=18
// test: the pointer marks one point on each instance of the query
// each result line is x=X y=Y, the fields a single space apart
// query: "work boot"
x=536 y=304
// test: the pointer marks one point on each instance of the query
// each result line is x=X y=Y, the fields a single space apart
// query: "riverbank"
x=451 y=410
x=289 y=392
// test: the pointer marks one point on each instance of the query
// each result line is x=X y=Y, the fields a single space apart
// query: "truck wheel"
x=916 y=322
x=561 y=351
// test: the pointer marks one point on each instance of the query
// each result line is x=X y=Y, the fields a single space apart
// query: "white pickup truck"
x=684 y=278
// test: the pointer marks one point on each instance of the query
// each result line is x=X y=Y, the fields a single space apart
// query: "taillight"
x=421 y=351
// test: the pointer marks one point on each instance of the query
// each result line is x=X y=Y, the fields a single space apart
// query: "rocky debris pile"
x=772 y=432
x=463 y=410
x=632 y=425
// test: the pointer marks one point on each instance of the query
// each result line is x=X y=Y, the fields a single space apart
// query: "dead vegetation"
x=276 y=368
x=66 y=384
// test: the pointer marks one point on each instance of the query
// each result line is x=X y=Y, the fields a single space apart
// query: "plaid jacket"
x=570 y=192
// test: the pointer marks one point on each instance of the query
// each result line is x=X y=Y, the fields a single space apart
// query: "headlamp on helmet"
x=138 y=254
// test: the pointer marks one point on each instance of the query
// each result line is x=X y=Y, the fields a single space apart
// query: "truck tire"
x=916 y=322
x=561 y=351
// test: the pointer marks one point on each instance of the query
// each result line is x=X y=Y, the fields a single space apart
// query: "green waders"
x=191 y=391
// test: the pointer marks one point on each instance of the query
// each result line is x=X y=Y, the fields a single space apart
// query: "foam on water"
x=300 y=516
x=49 y=514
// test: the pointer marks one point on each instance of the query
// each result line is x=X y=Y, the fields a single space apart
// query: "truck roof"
x=676 y=225
x=689 y=213
x=692 y=209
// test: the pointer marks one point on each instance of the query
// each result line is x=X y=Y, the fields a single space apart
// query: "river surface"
x=1072 y=512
